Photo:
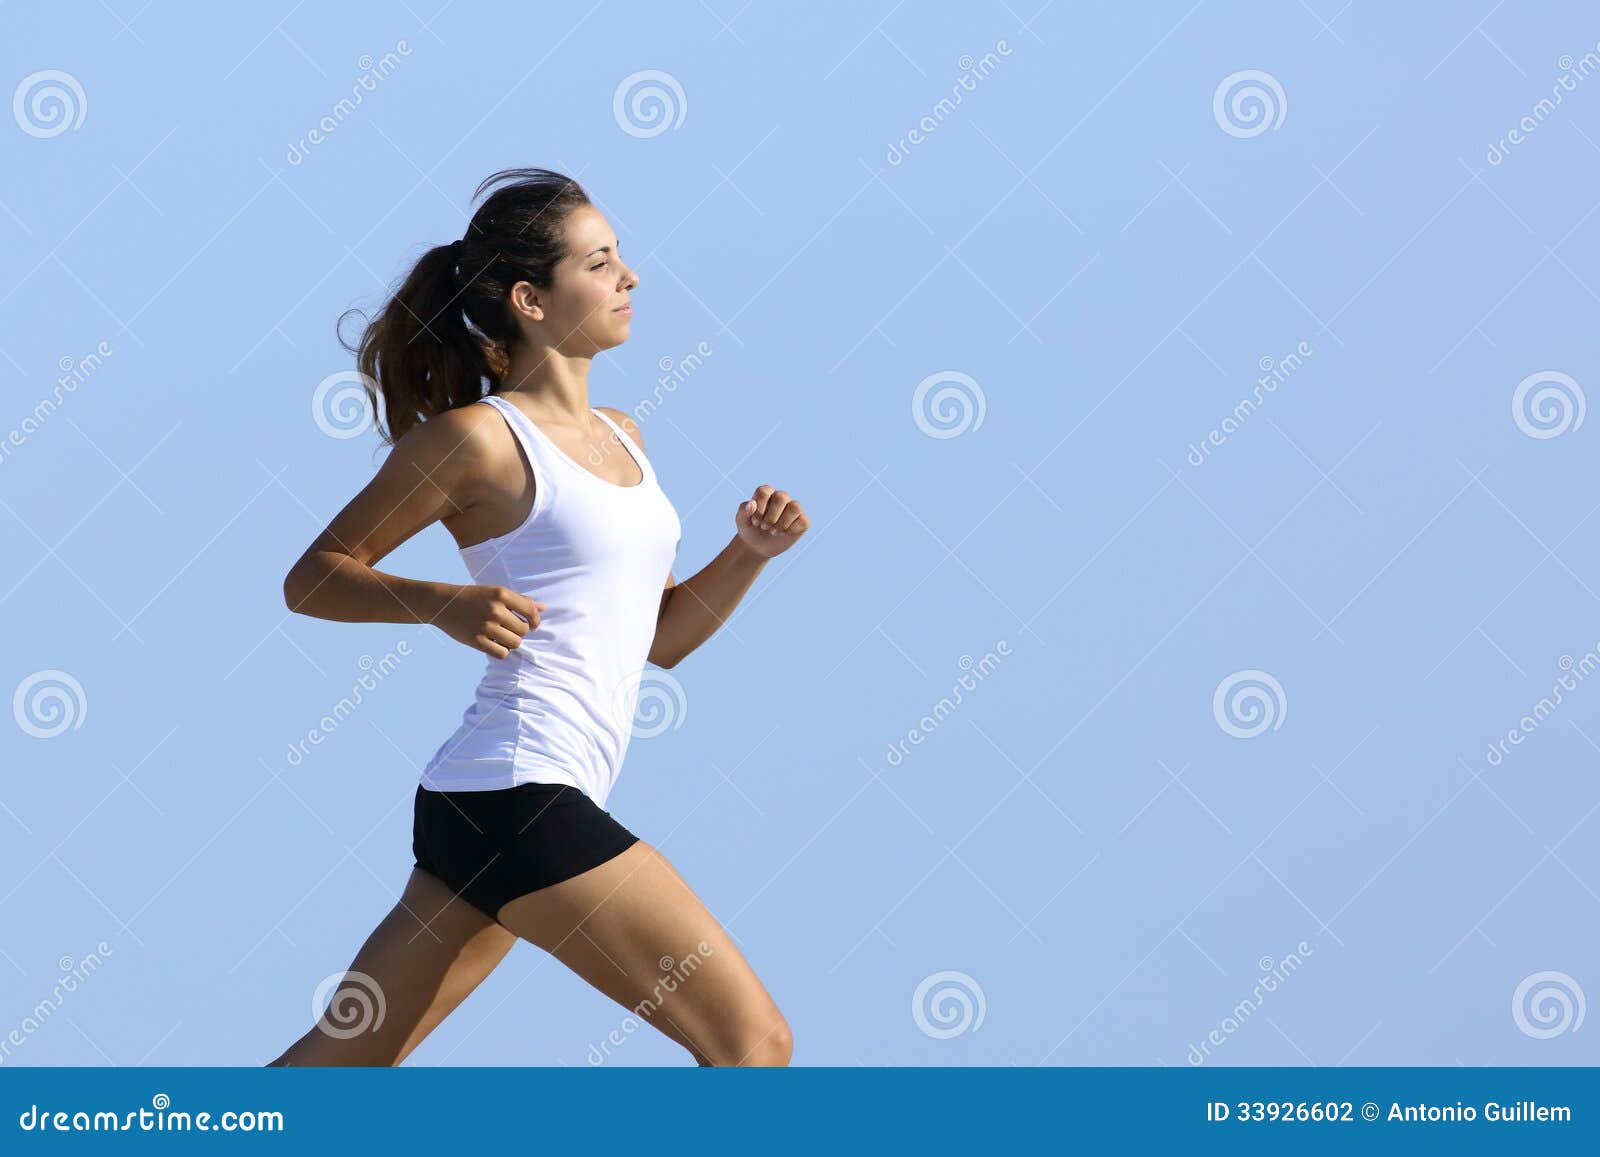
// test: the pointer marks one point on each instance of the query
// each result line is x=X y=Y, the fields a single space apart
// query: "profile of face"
x=582 y=312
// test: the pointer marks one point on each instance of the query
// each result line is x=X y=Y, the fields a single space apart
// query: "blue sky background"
x=1084 y=862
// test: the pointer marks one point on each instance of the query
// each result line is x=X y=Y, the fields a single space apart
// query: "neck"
x=557 y=382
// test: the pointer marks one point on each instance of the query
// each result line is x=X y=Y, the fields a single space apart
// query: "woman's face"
x=581 y=313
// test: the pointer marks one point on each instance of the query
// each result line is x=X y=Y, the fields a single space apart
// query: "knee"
x=762 y=1044
x=319 y=1049
x=778 y=1045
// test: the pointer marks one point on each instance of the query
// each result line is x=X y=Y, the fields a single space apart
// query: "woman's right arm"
x=437 y=469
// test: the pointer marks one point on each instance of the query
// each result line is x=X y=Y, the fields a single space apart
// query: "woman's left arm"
x=765 y=526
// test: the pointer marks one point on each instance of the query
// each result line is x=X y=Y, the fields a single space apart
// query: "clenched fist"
x=489 y=619
x=770 y=522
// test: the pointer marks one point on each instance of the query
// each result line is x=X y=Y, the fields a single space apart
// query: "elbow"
x=296 y=587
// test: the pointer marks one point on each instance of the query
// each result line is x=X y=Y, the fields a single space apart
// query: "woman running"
x=569 y=541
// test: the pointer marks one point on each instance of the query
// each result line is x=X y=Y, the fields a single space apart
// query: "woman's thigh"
x=421 y=961
x=637 y=932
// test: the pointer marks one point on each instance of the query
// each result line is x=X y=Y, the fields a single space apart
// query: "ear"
x=524 y=298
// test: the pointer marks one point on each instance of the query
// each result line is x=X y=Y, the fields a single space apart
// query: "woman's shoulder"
x=465 y=435
x=625 y=421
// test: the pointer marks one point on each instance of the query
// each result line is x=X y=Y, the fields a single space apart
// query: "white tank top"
x=560 y=708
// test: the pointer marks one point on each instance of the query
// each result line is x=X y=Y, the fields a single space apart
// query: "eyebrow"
x=603 y=249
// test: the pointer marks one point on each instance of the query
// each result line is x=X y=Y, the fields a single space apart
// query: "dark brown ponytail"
x=446 y=336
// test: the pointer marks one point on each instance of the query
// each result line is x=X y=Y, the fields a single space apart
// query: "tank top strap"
x=647 y=471
x=530 y=437
x=548 y=458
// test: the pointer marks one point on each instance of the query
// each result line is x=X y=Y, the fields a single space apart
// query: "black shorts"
x=490 y=847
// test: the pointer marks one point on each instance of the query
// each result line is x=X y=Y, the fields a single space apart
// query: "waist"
x=540 y=682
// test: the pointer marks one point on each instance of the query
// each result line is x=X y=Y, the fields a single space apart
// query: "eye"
x=602 y=265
